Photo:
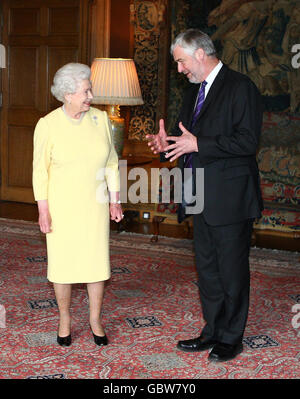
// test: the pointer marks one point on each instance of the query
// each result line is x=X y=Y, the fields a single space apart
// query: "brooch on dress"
x=95 y=119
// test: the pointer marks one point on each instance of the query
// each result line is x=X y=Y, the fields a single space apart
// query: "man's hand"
x=158 y=142
x=184 y=144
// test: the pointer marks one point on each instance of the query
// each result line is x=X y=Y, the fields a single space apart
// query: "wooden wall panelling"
x=100 y=29
x=40 y=36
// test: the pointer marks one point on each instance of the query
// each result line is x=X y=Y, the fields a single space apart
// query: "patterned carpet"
x=151 y=301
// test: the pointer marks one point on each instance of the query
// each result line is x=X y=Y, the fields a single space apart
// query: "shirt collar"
x=211 y=77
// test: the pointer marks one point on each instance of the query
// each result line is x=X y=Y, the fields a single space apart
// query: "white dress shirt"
x=212 y=76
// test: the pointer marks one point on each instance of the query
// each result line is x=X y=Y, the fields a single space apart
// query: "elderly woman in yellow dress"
x=74 y=158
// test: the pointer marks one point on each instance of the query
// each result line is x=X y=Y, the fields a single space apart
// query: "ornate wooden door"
x=40 y=36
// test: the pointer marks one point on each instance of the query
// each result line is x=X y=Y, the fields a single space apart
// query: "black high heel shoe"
x=64 y=341
x=100 y=340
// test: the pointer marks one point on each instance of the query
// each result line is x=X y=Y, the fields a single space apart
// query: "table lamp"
x=115 y=82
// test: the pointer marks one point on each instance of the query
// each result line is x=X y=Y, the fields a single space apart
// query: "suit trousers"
x=222 y=262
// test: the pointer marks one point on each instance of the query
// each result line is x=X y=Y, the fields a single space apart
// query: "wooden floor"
x=29 y=212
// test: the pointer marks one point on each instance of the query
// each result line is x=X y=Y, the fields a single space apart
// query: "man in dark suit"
x=218 y=129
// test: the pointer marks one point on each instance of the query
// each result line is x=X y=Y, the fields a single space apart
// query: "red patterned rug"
x=150 y=303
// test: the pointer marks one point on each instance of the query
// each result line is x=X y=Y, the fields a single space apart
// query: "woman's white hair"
x=67 y=79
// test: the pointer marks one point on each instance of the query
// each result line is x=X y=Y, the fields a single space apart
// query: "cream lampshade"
x=115 y=82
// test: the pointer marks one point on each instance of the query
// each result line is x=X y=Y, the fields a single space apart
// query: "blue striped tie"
x=200 y=101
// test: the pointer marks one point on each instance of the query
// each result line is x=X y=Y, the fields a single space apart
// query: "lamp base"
x=118 y=127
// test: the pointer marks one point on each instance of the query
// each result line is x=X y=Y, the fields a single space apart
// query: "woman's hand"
x=45 y=220
x=116 y=212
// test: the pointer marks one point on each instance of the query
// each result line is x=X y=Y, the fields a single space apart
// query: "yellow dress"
x=74 y=164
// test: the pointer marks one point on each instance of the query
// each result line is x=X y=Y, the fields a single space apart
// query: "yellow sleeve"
x=41 y=160
x=112 y=176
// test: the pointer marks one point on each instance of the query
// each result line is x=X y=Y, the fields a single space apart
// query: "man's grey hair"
x=193 y=39
x=67 y=79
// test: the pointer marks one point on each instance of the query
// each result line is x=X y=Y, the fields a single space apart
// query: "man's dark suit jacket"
x=227 y=130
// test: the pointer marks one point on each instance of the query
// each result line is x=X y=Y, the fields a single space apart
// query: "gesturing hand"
x=158 y=142
x=184 y=144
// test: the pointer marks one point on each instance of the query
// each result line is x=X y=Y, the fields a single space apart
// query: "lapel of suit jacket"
x=213 y=91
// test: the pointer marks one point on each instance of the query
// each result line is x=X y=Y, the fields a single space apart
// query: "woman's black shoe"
x=64 y=341
x=100 y=341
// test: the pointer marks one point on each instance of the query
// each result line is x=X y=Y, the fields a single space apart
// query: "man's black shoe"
x=223 y=352
x=196 y=344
